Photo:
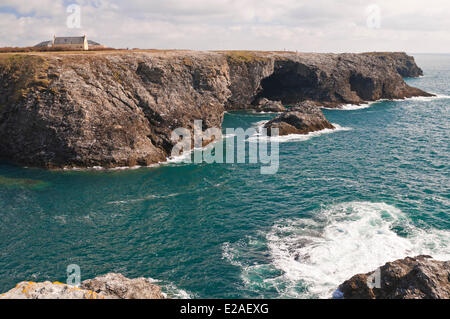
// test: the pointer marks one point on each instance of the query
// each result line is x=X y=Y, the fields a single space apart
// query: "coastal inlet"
x=344 y=201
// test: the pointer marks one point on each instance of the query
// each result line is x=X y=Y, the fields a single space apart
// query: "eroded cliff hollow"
x=119 y=108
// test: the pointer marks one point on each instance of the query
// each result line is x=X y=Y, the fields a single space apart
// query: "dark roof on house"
x=69 y=40
x=90 y=42
x=44 y=44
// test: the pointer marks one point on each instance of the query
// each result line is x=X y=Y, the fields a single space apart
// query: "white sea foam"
x=183 y=158
x=264 y=112
x=427 y=98
x=229 y=135
x=169 y=290
x=254 y=276
x=294 y=137
x=149 y=197
x=337 y=243
x=229 y=253
x=352 y=107
x=186 y=156
x=355 y=238
x=173 y=292
x=101 y=168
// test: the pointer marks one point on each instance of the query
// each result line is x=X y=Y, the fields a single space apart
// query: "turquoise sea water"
x=341 y=203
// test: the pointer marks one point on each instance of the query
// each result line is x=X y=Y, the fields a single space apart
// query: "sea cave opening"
x=290 y=83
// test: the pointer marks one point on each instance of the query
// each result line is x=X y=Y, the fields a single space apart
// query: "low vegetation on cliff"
x=119 y=108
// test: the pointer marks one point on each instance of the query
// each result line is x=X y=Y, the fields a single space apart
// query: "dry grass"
x=238 y=56
x=98 y=52
x=381 y=53
x=44 y=49
x=23 y=72
x=245 y=56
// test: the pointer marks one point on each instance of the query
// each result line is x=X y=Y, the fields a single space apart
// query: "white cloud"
x=37 y=7
x=320 y=25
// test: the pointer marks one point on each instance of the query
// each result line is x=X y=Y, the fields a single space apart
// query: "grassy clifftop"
x=21 y=73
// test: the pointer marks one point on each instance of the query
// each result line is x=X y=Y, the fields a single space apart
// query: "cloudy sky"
x=303 y=25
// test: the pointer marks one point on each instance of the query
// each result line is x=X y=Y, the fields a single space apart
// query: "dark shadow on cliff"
x=291 y=82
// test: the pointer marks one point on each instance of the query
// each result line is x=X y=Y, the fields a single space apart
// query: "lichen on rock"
x=109 y=286
x=118 y=286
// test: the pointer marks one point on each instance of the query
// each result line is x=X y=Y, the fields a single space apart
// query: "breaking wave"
x=293 y=137
x=169 y=290
x=352 y=107
x=149 y=197
x=314 y=255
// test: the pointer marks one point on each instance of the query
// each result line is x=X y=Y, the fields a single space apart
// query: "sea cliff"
x=119 y=108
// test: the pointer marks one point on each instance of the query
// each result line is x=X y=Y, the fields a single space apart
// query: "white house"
x=79 y=43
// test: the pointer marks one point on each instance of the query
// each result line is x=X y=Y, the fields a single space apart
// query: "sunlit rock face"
x=302 y=118
x=410 y=278
x=119 y=109
x=109 y=286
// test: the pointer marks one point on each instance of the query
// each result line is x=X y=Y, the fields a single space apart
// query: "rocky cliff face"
x=409 y=278
x=265 y=105
x=334 y=79
x=110 y=286
x=117 y=286
x=119 y=109
x=404 y=64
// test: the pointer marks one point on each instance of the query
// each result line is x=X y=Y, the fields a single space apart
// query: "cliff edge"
x=112 y=109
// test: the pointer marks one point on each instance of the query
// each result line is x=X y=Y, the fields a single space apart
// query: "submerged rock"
x=303 y=118
x=265 y=105
x=410 y=278
x=9 y=182
x=110 y=286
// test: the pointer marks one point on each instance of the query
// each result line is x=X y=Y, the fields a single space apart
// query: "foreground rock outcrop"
x=120 y=108
x=116 y=285
x=410 y=278
x=303 y=118
x=110 y=286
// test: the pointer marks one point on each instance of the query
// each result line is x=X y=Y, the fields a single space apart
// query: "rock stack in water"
x=303 y=118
